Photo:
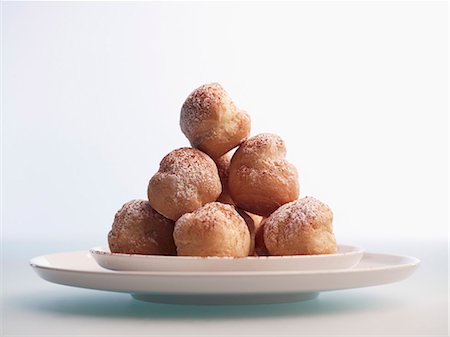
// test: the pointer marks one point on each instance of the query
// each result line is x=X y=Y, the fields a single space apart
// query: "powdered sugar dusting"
x=136 y=225
x=283 y=174
x=292 y=216
x=132 y=211
x=198 y=106
x=300 y=211
x=214 y=213
x=193 y=172
x=263 y=141
x=215 y=221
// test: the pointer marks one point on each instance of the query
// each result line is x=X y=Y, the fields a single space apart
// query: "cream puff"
x=139 y=229
x=212 y=122
x=260 y=178
x=223 y=166
x=186 y=180
x=215 y=229
x=300 y=227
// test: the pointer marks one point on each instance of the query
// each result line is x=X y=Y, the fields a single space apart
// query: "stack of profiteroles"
x=228 y=195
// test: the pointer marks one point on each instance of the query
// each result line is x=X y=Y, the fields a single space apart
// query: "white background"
x=91 y=94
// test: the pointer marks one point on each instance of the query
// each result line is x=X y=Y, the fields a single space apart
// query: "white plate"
x=79 y=269
x=346 y=257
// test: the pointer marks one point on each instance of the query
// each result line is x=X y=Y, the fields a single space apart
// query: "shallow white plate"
x=346 y=257
x=79 y=269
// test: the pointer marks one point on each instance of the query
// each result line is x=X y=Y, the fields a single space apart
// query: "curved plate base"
x=79 y=269
x=226 y=299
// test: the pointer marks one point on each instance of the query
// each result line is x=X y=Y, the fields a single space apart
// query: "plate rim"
x=413 y=262
x=102 y=251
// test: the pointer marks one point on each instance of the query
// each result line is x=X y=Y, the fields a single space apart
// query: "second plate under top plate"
x=346 y=257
